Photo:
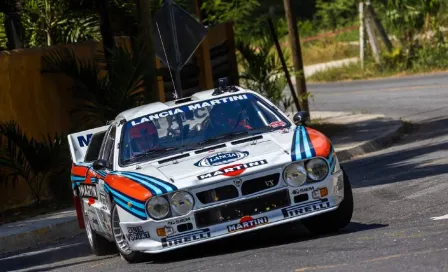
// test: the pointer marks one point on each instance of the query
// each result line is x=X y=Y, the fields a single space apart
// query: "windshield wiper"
x=221 y=137
x=150 y=152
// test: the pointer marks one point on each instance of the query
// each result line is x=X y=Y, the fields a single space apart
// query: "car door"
x=103 y=205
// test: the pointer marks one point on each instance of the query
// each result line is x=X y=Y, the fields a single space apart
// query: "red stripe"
x=128 y=187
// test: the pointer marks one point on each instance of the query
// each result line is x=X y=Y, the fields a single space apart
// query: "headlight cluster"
x=179 y=203
x=296 y=174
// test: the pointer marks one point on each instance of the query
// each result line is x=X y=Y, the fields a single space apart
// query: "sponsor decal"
x=191 y=107
x=248 y=222
x=137 y=233
x=302 y=190
x=222 y=158
x=284 y=130
x=303 y=209
x=232 y=170
x=104 y=198
x=84 y=140
x=185 y=238
x=178 y=221
x=87 y=190
x=277 y=124
x=95 y=221
x=269 y=183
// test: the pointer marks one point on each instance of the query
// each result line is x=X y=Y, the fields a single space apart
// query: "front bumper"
x=190 y=230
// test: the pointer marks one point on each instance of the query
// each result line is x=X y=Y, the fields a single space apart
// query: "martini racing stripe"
x=155 y=186
x=302 y=147
x=134 y=212
x=331 y=160
x=137 y=207
x=102 y=173
x=135 y=203
x=77 y=178
x=167 y=186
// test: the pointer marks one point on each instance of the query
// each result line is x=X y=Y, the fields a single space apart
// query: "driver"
x=226 y=118
x=143 y=137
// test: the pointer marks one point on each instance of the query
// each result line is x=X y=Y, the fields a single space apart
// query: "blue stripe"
x=154 y=189
x=165 y=186
x=293 y=148
x=138 y=214
x=102 y=173
x=75 y=178
x=134 y=202
x=306 y=144
x=310 y=144
x=297 y=142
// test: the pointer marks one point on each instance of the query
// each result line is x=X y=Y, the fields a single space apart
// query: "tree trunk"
x=148 y=56
x=106 y=31
x=296 y=53
x=13 y=24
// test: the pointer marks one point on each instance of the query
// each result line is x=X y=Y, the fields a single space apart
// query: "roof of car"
x=160 y=106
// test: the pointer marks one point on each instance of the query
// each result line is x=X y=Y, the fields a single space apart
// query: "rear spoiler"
x=80 y=141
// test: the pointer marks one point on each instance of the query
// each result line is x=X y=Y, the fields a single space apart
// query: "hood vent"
x=210 y=148
x=247 y=140
x=174 y=158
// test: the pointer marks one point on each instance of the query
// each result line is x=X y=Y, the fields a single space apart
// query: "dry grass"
x=324 y=51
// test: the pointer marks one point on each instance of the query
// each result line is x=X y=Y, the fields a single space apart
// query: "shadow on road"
x=47 y=255
x=408 y=160
x=270 y=238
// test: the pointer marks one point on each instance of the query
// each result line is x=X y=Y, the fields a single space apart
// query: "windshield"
x=195 y=125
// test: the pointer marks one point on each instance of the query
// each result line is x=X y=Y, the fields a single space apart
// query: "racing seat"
x=143 y=137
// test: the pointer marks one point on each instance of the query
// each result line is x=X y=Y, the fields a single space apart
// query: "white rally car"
x=219 y=163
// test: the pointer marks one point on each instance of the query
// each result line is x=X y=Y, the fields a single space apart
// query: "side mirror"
x=99 y=164
x=301 y=118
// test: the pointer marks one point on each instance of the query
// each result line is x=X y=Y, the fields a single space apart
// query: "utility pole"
x=296 y=53
x=361 y=34
x=145 y=40
x=106 y=31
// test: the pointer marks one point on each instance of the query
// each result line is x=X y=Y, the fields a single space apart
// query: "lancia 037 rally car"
x=219 y=163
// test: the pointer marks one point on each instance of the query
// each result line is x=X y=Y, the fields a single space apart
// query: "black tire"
x=336 y=220
x=120 y=242
x=99 y=245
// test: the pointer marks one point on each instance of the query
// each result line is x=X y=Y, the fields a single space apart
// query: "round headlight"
x=317 y=169
x=295 y=174
x=158 y=207
x=182 y=202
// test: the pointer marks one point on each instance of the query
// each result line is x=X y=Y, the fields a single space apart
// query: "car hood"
x=216 y=165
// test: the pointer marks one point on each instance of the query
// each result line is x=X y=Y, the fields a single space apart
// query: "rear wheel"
x=120 y=240
x=100 y=245
x=335 y=220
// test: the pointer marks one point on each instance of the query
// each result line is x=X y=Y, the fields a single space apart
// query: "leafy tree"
x=262 y=71
x=49 y=22
x=101 y=96
x=25 y=158
x=333 y=14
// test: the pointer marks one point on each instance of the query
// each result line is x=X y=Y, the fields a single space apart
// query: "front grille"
x=239 y=209
x=259 y=184
x=218 y=194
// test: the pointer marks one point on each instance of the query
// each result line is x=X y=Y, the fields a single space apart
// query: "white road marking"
x=440 y=217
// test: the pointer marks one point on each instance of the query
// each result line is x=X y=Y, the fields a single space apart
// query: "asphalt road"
x=397 y=193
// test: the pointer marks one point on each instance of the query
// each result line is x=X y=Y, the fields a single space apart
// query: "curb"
x=373 y=145
x=37 y=237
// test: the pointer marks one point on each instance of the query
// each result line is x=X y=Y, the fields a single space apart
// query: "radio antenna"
x=166 y=57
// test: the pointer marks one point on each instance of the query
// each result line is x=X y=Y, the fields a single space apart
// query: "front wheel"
x=100 y=245
x=120 y=240
x=335 y=220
